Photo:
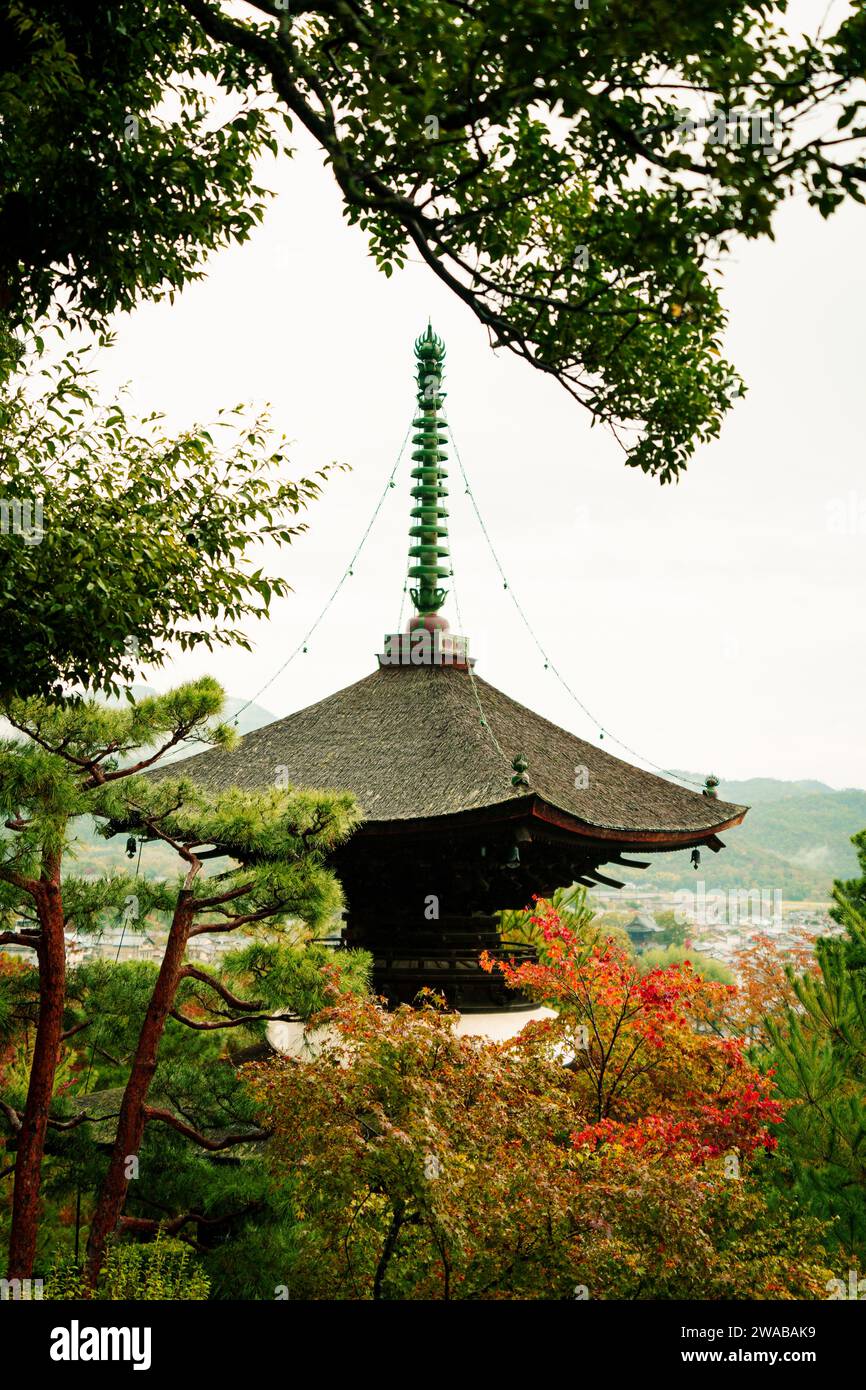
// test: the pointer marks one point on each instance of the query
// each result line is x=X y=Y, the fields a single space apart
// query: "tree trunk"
x=132 y=1120
x=51 y=953
x=397 y=1221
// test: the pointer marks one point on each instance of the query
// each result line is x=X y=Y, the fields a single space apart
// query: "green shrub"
x=164 y=1270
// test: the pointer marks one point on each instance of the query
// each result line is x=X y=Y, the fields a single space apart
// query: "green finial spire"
x=429 y=531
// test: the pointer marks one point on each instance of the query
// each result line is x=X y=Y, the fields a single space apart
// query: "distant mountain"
x=755 y=789
x=796 y=837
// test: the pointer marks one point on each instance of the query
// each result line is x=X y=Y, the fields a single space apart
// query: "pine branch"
x=77 y=1028
x=212 y=1145
x=261 y=915
x=145 y=1225
x=205 y=904
x=13 y=938
x=212 y=1026
x=177 y=845
x=83 y=1118
x=99 y=778
x=27 y=885
x=191 y=972
x=15 y=1119
x=12 y=1116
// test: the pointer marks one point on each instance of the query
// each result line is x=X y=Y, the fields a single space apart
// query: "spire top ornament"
x=428 y=640
x=428 y=547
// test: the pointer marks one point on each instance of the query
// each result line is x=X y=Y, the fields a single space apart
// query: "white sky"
x=715 y=625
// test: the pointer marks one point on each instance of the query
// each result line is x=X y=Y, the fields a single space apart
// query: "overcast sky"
x=715 y=625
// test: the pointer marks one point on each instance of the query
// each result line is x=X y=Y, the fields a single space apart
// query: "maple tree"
x=639 y=1043
x=420 y=1163
x=766 y=984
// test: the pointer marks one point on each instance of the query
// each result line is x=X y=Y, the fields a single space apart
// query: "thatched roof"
x=409 y=742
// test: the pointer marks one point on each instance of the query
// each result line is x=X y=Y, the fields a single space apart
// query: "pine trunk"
x=51 y=953
x=132 y=1120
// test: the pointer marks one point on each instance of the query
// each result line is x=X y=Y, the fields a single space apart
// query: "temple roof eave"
x=649 y=840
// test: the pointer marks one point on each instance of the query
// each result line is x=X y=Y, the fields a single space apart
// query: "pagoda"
x=472 y=803
x=642 y=929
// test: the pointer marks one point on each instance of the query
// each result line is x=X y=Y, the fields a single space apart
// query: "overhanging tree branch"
x=211 y=1145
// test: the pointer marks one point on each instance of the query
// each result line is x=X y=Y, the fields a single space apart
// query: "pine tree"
x=819 y=1056
x=217 y=1195
x=81 y=759
x=849 y=907
x=68 y=756
x=277 y=841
